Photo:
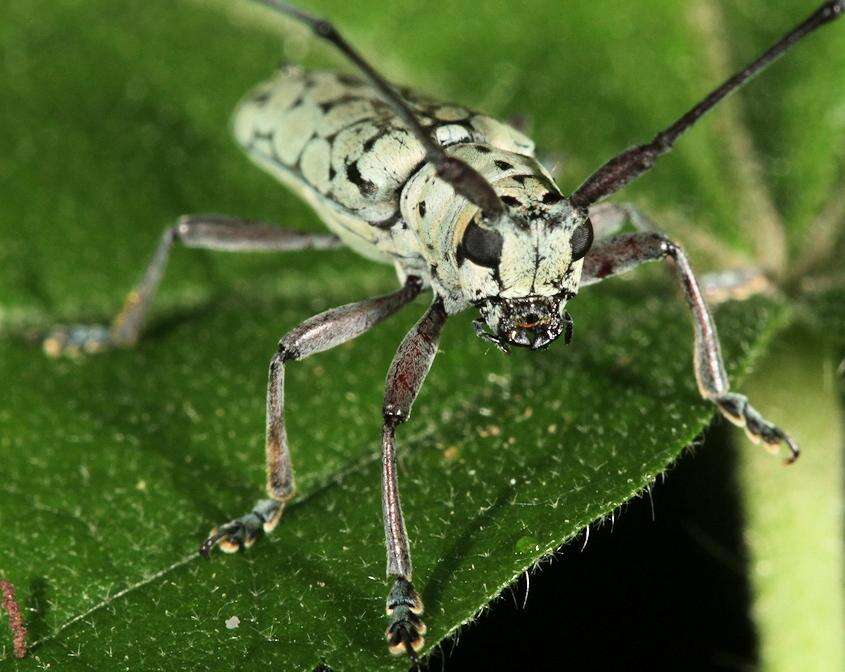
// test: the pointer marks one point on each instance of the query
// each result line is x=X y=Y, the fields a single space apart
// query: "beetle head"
x=522 y=270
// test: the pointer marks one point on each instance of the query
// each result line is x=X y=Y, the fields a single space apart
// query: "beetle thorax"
x=527 y=253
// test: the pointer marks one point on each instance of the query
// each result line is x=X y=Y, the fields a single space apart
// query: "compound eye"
x=582 y=240
x=482 y=246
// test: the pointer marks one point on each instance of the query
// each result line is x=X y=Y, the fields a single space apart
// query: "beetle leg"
x=623 y=253
x=317 y=334
x=209 y=232
x=405 y=377
x=609 y=218
x=738 y=283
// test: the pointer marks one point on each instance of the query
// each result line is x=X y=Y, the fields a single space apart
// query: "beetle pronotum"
x=458 y=203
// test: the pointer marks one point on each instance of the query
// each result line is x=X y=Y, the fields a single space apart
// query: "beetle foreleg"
x=623 y=253
x=317 y=334
x=405 y=377
x=209 y=232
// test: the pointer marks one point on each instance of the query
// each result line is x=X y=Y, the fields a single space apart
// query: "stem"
x=794 y=516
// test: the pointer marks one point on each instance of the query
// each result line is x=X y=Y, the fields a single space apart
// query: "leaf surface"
x=116 y=466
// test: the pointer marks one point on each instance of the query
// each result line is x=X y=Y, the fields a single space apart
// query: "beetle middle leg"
x=623 y=253
x=405 y=377
x=209 y=232
x=316 y=334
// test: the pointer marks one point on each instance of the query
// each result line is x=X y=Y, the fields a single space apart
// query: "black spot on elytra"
x=520 y=178
x=511 y=201
x=421 y=208
x=433 y=270
x=349 y=80
x=369 y=143
x=551 y=197
x=503 y=165
x=481 y=149
x=353 y=174
x=332 y=173
x=297 y=102
x=329 y=104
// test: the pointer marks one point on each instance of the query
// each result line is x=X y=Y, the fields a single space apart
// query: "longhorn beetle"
x=458 y=203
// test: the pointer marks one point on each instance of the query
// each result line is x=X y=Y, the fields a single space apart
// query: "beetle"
x=458 y=203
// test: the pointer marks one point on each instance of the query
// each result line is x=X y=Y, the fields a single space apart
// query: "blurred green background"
x=115 y=121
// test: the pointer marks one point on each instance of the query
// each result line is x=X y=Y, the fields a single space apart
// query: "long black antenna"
x=464 y=179
x=632 y=163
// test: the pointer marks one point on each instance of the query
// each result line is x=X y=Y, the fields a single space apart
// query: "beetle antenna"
x=632 y=163
x=464 y=179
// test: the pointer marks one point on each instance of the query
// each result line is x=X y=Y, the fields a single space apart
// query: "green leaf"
x=115 y=467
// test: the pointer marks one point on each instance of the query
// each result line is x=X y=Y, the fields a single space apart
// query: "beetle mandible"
x=459 y=204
